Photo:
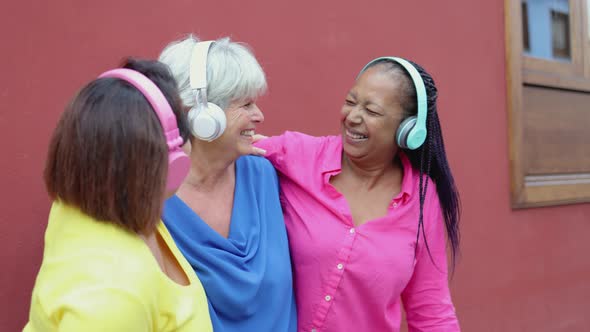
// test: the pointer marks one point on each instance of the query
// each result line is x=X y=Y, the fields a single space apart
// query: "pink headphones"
x=178 y=161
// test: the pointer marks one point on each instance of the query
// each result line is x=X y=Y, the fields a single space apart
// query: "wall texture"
x=520 y=270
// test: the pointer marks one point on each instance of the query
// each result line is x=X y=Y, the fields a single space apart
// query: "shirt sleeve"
x=426 y=298
x=287 y=150
x=102 y=309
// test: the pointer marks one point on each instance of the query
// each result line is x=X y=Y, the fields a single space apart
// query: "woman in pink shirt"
x=366 y=211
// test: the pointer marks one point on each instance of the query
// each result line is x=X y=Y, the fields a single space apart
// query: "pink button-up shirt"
x=351 y=278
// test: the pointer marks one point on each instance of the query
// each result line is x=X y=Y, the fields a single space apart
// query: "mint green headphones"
x=411 y=133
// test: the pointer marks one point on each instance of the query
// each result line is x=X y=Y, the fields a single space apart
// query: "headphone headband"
x=207 y=120
x=178 y=161
x=151 y=92
x=418 y=133
x=198 y=71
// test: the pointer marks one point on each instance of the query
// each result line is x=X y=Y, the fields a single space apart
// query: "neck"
x=210 y=166
x=371 y=173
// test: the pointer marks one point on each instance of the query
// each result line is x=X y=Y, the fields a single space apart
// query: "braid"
x=430 y=159
x=425 y=152
x=423 y=186
x=440 y=173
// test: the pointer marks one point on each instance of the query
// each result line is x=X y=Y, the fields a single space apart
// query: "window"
x=545 y=29
x=560 y=35
x=548 y=75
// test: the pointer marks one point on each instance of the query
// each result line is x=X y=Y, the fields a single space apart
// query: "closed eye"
x=373 y=113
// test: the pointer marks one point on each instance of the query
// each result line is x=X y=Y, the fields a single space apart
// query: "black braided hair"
x=430 y=158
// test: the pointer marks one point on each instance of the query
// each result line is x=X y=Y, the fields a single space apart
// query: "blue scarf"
x=247 y=277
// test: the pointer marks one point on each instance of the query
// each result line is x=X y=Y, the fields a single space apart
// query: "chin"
x=351 y=151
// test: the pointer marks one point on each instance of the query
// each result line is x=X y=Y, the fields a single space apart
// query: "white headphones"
x=207 y=120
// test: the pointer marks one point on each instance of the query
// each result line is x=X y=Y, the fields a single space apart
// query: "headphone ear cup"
x=207 y=124
x=178 y=168
x=403 y=131
x=191 y=116
x=219 y=115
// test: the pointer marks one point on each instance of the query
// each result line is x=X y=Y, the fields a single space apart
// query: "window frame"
x=566 y=75
x=552 y=189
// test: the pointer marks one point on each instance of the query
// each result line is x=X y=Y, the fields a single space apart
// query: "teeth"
x=355 y=136
x=249 y=132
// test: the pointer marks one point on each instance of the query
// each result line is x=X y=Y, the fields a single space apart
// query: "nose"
x=256 y=114
x=354 y=115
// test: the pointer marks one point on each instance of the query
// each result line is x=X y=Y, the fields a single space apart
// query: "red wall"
x=521 y=270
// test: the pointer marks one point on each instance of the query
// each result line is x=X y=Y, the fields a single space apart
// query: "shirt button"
x=394 y=204
x=328 y=298
x=352 y=231
x=340 y=266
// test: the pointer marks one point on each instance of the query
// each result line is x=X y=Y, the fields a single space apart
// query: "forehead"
x=379 y=86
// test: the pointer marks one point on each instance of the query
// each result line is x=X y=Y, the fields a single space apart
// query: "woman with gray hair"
x=226 y=217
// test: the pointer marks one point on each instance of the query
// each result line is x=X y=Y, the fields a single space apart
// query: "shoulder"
x=131 y=270
x=411 y=179
x=411 y=186
x=91 y=306
x=257 y=171
x=94 y=254
x=88 y=278
x=433 y=214
x=255 y=163
x=87 y=263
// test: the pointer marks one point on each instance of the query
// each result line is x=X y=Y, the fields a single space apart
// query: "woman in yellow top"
x=109 y=263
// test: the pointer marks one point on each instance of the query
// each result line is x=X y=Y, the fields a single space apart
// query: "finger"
x=258 y=137
x=258 y=151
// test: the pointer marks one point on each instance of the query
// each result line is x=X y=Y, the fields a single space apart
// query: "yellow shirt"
x=98 y=277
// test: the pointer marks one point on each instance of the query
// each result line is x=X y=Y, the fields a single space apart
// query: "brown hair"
x=108 y=155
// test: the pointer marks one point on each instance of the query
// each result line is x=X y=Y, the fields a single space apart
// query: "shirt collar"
x=333 y=163
x=333 y=157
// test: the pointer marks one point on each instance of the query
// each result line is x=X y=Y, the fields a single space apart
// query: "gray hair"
x=233 y=73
